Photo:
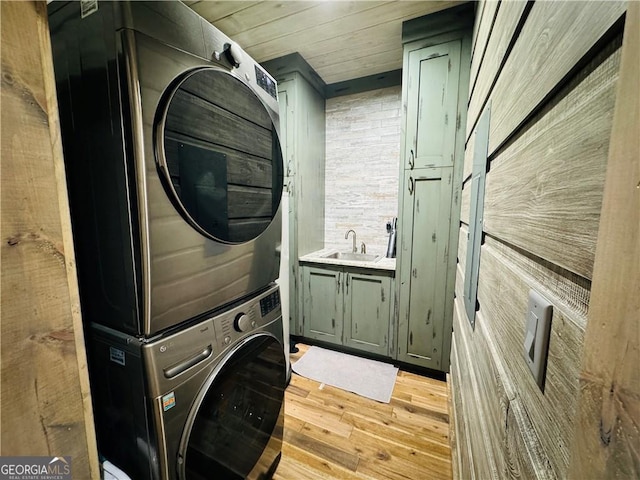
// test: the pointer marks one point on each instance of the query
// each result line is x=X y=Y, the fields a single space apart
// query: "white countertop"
x=319 y=256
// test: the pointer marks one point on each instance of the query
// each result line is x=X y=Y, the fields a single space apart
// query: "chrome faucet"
x=363 y=248
x=346 y=236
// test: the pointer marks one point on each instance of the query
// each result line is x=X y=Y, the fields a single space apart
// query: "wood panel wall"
x=549 y=71
x=606 y=439
x=45 y=405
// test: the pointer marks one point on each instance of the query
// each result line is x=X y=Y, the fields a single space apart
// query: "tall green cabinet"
x=436 y=65
x=302 y=132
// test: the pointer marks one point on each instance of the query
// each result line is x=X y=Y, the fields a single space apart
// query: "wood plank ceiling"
x=341 y=40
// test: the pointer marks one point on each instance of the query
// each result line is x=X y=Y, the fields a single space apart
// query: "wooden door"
x=424 y=241
x=322 y=304
x=432 y=106
x=367 y=313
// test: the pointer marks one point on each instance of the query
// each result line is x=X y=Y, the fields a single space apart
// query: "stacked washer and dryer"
x=174 y=172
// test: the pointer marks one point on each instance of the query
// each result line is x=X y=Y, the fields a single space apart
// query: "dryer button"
x=227 y=340
x=242 y=323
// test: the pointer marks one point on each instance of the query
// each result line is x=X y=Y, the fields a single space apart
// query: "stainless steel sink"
x=359 y=257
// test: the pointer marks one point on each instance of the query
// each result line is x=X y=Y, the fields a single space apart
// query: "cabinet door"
x=302 y=122
x=423 y=259
x=367 y=312
x=432 y=105
x=289 y=270
x=322 y=307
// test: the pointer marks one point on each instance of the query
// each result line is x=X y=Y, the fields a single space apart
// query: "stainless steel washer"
x=204 y=402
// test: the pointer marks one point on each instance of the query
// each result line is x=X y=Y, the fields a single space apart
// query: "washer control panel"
x=172 y=357
x=247 y=317
x=269 y=303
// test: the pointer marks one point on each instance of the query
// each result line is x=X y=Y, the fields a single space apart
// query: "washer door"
x=235 y=414
x=219 y=154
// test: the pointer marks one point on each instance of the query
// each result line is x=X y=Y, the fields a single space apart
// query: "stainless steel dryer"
x=203 y=403
x=174 y=166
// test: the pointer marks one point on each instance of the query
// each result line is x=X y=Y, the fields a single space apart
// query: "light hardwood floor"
x=331 y=433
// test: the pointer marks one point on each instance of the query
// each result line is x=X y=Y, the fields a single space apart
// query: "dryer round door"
x=235 y=413
x=219 y=155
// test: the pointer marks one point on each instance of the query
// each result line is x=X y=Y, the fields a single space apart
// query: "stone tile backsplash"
x=362 y=162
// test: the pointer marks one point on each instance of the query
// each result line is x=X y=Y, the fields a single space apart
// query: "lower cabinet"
x=347 y=307
x=322 y=304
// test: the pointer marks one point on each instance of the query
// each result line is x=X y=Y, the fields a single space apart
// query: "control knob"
x=242 y=322
x=233 y=54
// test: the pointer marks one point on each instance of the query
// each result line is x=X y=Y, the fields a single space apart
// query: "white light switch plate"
x=536 y=337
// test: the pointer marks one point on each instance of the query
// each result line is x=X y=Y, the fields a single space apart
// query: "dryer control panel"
x=266 y=82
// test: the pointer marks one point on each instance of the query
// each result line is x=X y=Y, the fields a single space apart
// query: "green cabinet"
x=432 y=114
x=367 y=312
x=436 y=64
x=322 y=309
x=347 y=307
x=423 y=266
x=302 y=137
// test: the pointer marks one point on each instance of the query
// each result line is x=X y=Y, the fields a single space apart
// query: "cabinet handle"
x=411 y=185
x=338 y=281
x=348 y=275
x=412 y=162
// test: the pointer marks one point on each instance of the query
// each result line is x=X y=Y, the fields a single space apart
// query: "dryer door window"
x=237 y=414
x=220 y=156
